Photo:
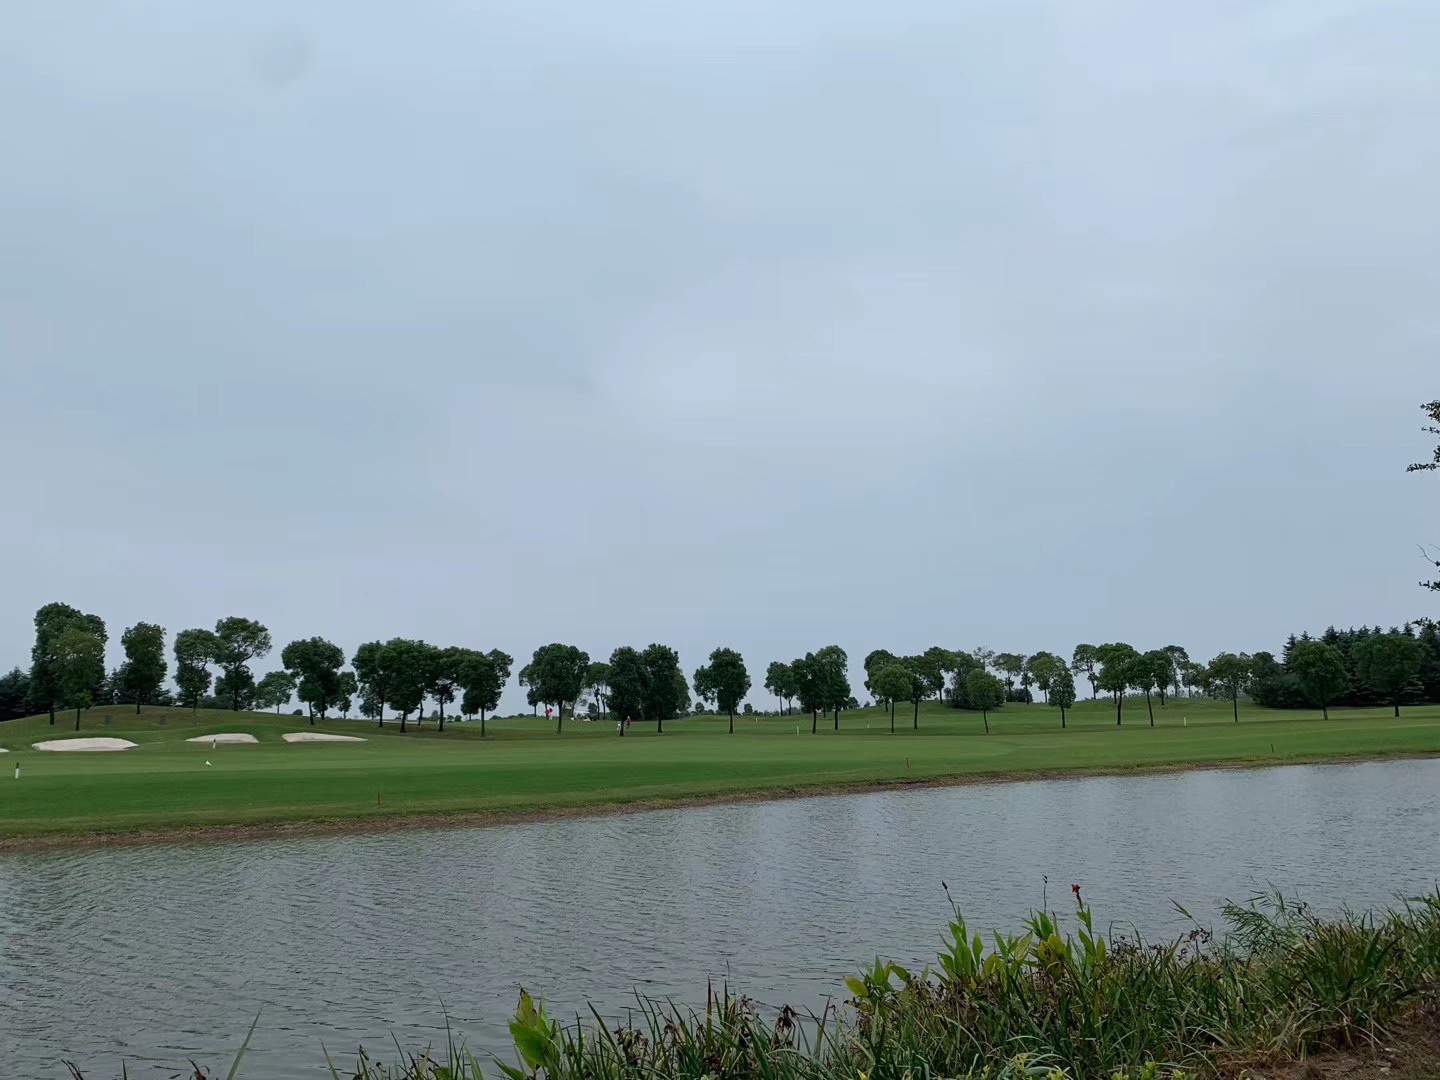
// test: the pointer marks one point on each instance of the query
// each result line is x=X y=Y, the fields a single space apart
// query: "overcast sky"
x=1014 y=323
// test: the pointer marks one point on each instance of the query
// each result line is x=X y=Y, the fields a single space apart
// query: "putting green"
x=523 y=766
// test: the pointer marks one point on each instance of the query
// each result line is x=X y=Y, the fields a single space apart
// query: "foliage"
x=1011 y=665
x=144 y=672
x=1062 y=691
x=1084 y=660
x=47 y=680
x=483 y=677
x=194 y=651
x=556 y=673
x=14 y=695
x=985 y=692
x=237 y=642
x=1229 y=675
x=1043 y=668
x=315 y=665
x=1390 y=663
x=895 y=682
x=1321 y=672
x=1117 y=668
x=780 y=681
x=406 y=663
x=274 y=690
x=77 y=655
x=723 y=682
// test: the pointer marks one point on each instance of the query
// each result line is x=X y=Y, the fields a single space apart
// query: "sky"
x=1013 y=323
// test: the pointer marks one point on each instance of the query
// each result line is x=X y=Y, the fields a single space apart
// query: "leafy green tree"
x=723 y=682
x=943 y=662
x=985 y=692
x=275 y=690
x=832 y=669
x=1011 y=665
x=315 y=664
x=14 y=695
x=1390 y=663
x=780 y=681
x=597 y=682
x=1178 y=659
x=1151 y=671
x=894 y=682
x=1085 y=660
x=810 y=687
x=1043 y=667
x=926 y=679
x=664 y=697
x=628 y=678
x=1116 y=660
x=1321 y=671
x=236 y=691
x=145 y=667
x=484 y=676
x=237 y=642
x=79 y=659
x=194 y=652
x=446 y=671
x=51 y=623
x=1192 y=675
x=408 y=676
x=1062 y=691
x=875 y=662
x=557 y=675
x=1229 y=674
x=372 y=666
x=345 y=693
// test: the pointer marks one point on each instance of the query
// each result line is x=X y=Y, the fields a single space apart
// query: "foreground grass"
x=165 y=783
x=1056 y=1001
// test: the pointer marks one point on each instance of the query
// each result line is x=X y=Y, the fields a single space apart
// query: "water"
x=164 y=953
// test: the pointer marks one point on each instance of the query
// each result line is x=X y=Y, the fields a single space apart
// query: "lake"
x=162 y=953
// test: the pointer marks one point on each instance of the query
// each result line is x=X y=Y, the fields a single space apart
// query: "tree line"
x=213 y=668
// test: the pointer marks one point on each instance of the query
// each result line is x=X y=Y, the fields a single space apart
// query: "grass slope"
x=164 y=782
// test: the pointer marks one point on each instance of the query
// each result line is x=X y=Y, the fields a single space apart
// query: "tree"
x=194 y=651
x=1178 y=659
x=446 y=675
x=926 y=678
x=78 y=655
x=557 y=675
x=1432 y=410
x=628 y=676
x=483 y=677
x=1062 y=691
x=942 y=662
x=780 y=681
x=1012 y=665
x=237 y=642
x=809 y=687
x=985 y=692
x=664 y=697
x=238 y=690
x=345 y=692
x=372 y=672
x=1321 y=671
x=315 y=664
x=1149 y=672
x=1390 y=663
x=275 y=689
x=51 y=623
x=1115 y=661
x=892 y=683
x=14 y=695
x=1083 y=660
x=875 y=662
x=407 y=664
x=1229 y=674
x=832 y=668
x=723 y=682
x=597 y=681
x=145 y=667
x=1043 y=667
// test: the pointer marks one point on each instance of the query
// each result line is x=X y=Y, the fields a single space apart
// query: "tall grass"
x=1049 y=1001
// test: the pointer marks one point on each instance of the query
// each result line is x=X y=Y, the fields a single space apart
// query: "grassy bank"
x=523 y=767
x=1281 y=994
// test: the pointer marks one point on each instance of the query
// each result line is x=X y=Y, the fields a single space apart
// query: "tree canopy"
x=723 y=682
x=556 y=673
x=1321 y=671
x=144 y=672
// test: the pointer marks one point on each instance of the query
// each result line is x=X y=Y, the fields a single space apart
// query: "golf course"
x=168 y=784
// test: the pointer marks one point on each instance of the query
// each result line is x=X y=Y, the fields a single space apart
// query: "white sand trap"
x=224 y=737
x=84 y=744
x=318 y=736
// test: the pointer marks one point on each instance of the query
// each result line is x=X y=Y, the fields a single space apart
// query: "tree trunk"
x=1235 y=705
x=1397 y=708
x=732 y=720
x=52 y=713
x=137 y=706
x=814 y=721
x=442 y=714
x=892 y=718
x=403 y=717
x=1119 y=704
x=77 y=717
x=1062 y=717
x=985 y=715
x=915 y=720
x=312 y=715
x=1325 y=710
x=659 y=725
x=837 y=717
x=559 y=716
x=1150 y=708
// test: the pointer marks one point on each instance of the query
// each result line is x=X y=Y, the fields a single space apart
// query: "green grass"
x=522 y=766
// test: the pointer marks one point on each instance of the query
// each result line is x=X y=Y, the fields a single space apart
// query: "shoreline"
x=460 y=819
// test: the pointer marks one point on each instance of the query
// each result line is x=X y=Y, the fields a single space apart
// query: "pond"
x=163 y=953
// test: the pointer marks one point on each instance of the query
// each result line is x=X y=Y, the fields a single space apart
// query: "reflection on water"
x=159 y=954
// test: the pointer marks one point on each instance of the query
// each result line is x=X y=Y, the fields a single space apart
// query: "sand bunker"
x=224 y=737
x=318 y=736
x=84 y=744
